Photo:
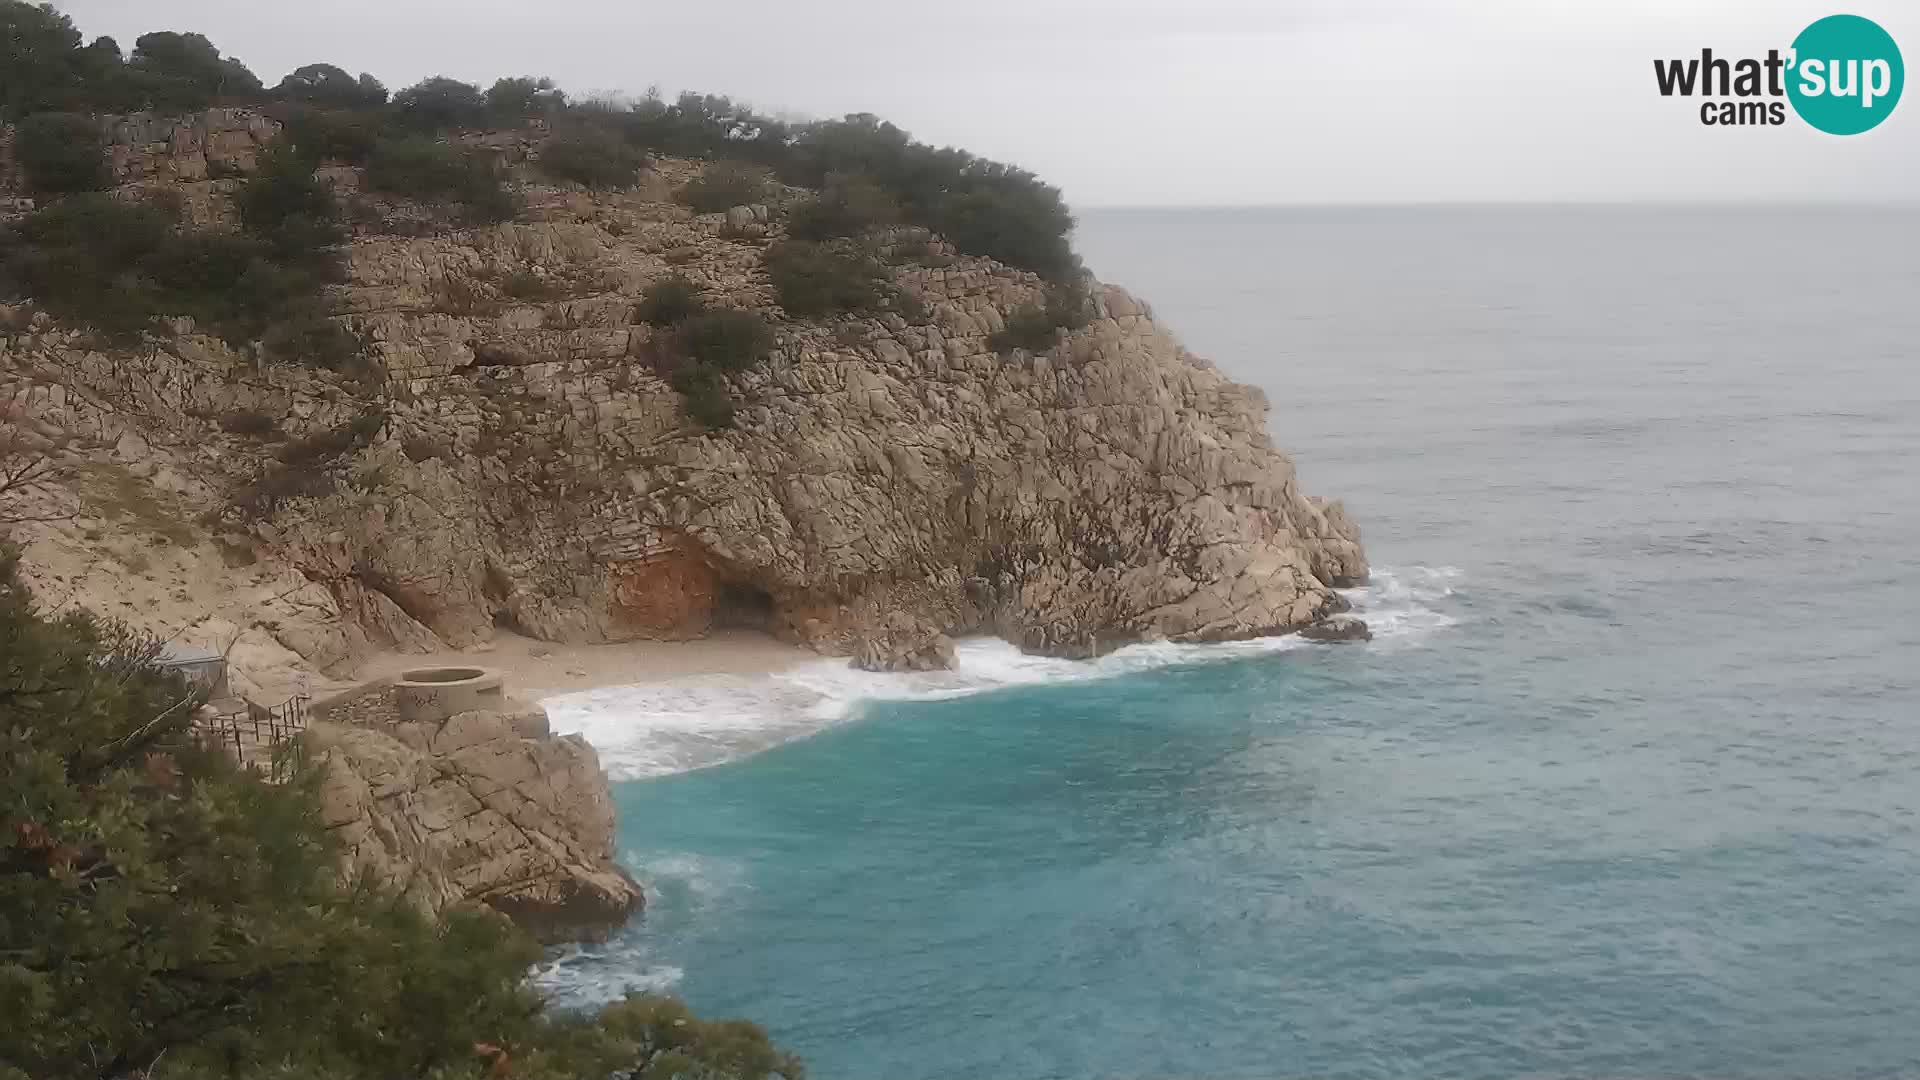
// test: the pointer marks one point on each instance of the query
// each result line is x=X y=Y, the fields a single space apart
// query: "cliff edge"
x=521 y=460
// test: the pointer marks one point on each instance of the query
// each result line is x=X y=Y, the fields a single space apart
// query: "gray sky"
x=1161 y=102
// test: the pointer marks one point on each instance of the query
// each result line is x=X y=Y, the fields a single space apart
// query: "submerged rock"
x=1339 y=628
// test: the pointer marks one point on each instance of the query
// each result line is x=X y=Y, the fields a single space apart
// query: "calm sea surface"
x=1629 y=786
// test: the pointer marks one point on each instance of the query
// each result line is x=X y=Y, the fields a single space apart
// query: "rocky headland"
x=513 y=456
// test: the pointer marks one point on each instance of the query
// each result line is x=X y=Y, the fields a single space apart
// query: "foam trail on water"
x=679 y=885
x=691 y=723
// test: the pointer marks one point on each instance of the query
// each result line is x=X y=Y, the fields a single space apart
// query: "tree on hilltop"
x=325 y=84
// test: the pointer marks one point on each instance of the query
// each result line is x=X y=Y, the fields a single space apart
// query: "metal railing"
x=264 y=729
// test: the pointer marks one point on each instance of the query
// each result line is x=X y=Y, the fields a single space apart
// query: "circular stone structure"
x=431 y=695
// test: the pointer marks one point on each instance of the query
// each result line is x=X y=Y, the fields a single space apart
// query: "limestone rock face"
x=904 y=644
x=485 y=808
x=532 y=469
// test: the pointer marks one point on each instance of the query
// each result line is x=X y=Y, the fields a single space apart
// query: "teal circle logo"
x=1846 y=75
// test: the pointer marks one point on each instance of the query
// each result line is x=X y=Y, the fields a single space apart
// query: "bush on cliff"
x=727 y=340
x=431 y=171
x=61 y=153
x=325 y=84
x=285 y=205
x=814 y=280
x=707 y=126
x=441 y=104
x=670 y=301
x=596 y=159
x=1036 y=327
x=115 y=266
x=846 y=207
x=164 y=913
x=982 y=207
x=176 y=72
x=724 y=185
x=309 y=338
x=704 y=395
x=321 y=135
x=513 y=100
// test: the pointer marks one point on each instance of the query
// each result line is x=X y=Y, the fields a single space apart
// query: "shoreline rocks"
x=483 y=807
x=1338 y=628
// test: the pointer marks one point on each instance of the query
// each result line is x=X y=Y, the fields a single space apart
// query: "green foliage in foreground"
x=164 y=914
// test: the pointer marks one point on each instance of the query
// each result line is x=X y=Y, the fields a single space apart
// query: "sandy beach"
x=540 y=669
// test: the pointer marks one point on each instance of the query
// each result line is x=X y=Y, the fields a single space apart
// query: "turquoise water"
x=1628 y=788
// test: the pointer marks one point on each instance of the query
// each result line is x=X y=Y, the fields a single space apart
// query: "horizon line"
x=1890 y=203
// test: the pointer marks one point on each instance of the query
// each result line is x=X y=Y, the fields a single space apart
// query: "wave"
x=682 y=724
x=679 y=886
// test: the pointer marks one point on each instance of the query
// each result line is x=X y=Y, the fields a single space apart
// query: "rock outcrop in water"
x=521 y=463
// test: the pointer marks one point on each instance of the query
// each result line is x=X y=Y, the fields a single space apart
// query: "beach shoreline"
x=537 y=670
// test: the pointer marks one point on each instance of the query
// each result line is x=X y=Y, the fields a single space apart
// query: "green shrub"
x=322 y=447
x=62 y=153
x=325 y=84
x=982 y=207
x=1035 y=327
x=529 y=286
x=598 y=160
x=419 y=448
x=309 y=338
x=441 y=104
x=812 y=280
x=1019 y=224
x=847 y=207
x=185 y=72
x=1028 y=328
x=723 y=186
x=511 y=101
x=81 y=258
x=291 y=209
x=320 y=135
x=435 y=172
x=670 y=301
x=727 y=340
x=706 y=397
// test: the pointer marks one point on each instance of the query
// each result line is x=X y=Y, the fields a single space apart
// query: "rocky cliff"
x=519 y=462
x=483 y=807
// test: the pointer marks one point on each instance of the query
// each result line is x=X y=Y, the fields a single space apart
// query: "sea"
x=1627 y=785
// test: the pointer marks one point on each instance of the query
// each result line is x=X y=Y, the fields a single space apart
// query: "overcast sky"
x=1159 y=102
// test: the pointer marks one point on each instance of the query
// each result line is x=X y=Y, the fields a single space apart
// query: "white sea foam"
x=684 y=883
x=691 y=723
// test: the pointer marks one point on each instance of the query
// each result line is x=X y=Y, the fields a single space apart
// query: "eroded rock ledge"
x=483 y=807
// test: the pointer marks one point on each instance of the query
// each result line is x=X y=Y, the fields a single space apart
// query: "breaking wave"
x=692 y=723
